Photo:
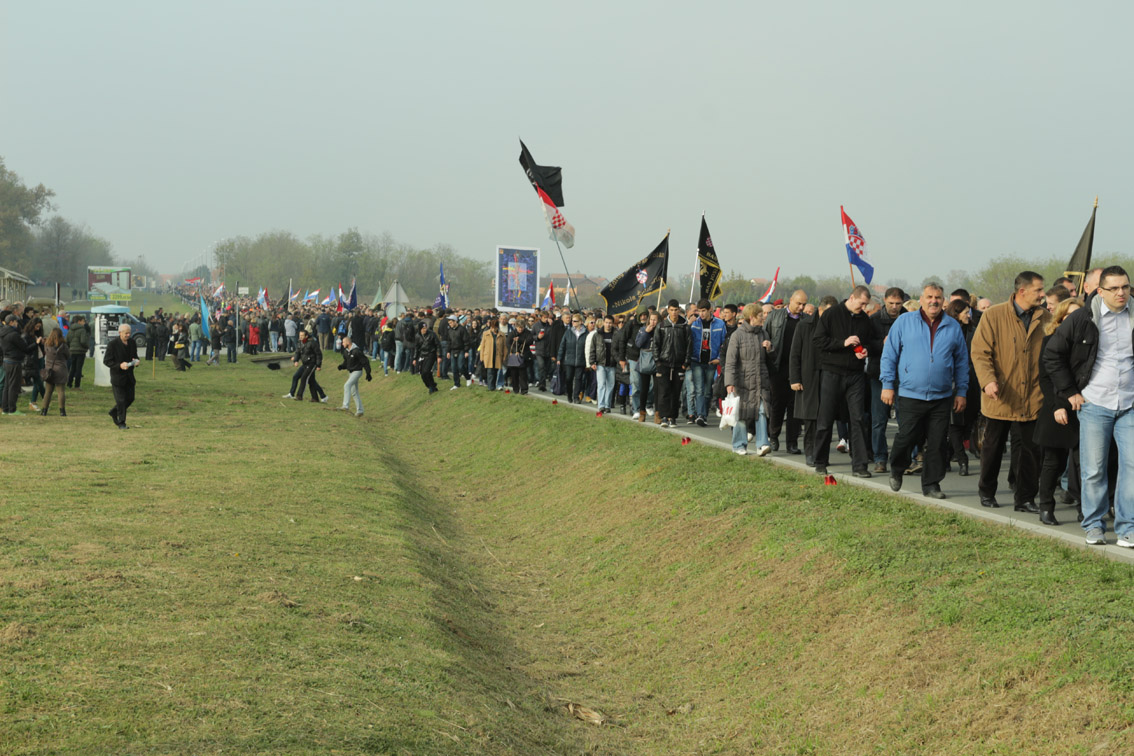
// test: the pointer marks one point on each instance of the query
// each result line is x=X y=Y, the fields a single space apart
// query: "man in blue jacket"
x=706 y=334
x=926 y=361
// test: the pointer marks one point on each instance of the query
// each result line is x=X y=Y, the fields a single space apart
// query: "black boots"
x=1047 y=514
x=963 y=466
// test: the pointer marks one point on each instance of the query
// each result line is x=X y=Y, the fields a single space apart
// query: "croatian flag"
x=856 y=247
x=262 y=299
x=549 y=298
x=767 y=295
x=312 y=296
x=330 y=298
x=217 y=293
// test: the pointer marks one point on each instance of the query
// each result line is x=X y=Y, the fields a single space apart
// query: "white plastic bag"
x=729 y=407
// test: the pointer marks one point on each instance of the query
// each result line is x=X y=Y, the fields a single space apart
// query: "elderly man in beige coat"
x=1005 y=356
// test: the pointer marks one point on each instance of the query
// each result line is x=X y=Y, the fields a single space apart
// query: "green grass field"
x=240 y=573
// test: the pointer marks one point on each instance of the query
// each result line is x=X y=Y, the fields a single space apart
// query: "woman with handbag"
x=746 y=375
x=56 y=355
x=519 y=347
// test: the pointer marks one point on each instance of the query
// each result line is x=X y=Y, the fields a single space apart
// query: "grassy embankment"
x=247 y=574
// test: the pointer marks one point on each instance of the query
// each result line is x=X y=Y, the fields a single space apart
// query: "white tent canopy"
x=395 y=300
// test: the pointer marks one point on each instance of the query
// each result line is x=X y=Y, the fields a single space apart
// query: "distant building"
x=587 y=288
x=13 y=285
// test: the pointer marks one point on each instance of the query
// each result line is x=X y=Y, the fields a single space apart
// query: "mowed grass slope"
x=242 y=573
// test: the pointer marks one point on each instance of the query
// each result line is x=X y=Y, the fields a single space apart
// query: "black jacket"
x=880 y=324
x=427 y=346
x=354 y=359
x=520 y=343
x=573 y=349
x=671 y=343
x=557 y=331
x=625 y=341
x=116 y=354
x=832 y=331
x=458 y=338
x=602 y=354
x=309 y=354
x=1047 y=432
x=1069 y=357
x=541 y=338
x=12 y=344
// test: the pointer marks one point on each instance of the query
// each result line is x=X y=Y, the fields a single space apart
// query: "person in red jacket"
x=253 y=337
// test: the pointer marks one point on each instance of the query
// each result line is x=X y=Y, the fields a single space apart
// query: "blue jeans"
x=879 y=416
x=195 y=351
x=1097 y=425
x=274 y=340
x=386 y=362
x=635 y=385
x=457 y=365
x=604 y=376
x=740 y=432
x=703 y=375
x=400 y=356
x=231 y=352
x=688 y=395
x=292 y=345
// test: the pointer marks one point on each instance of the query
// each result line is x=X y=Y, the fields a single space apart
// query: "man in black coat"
x=310 y=356
x=121 y=357
x=425 y=354
x=842 y=336
x=781 y=326
x=15 y=351
x=671 y=353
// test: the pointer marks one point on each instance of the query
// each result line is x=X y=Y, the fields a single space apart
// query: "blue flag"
x=204 y=318
x=443 y=295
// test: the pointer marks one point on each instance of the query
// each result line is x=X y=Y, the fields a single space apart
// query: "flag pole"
x=566 y=270
x=696 y=263
x=851 y=266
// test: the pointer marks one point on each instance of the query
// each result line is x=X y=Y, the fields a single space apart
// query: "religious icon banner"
x=517 y=279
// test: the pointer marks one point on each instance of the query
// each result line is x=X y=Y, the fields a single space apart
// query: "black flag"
x=707 y=264
x=1081 y=260
x=549 y=178
x=647 y=276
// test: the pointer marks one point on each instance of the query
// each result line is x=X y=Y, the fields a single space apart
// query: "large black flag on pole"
x=547 y=180
x=647 y=276
x=709 y=267
x=1081 y=260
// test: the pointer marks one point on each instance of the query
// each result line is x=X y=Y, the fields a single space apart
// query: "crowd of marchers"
x=1047 y=376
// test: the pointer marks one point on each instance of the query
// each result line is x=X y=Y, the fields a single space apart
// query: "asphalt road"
x=961 y=492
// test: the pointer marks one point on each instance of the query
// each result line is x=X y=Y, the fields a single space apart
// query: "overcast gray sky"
x=953 y=132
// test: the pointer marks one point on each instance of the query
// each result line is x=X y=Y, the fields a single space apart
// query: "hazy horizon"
x=951 y=134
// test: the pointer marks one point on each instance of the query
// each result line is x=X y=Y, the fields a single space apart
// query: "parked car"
x=138 y=327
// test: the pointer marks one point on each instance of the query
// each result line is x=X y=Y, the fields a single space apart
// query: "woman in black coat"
x=33 y=363
x=803 y=376
x=961 y=423
x=1056 y=431
x=519 y=350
